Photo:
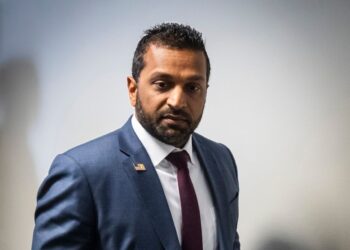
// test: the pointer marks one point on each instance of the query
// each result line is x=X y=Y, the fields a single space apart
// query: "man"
x=154 y=183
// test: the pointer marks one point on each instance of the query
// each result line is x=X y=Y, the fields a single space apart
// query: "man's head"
x=169 y=83
x=169 y=35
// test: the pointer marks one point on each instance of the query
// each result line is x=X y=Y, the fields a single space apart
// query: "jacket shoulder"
x=95 y=146
x=221 y=152
x=215 y=147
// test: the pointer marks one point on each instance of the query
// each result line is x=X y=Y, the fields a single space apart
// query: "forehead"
x=172 y=60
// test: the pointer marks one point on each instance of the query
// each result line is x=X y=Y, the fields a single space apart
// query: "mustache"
x=176 y=114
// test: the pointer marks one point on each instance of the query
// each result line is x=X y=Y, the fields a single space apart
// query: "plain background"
x=279 y=97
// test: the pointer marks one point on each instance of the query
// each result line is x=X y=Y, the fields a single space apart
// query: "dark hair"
x=172 y=35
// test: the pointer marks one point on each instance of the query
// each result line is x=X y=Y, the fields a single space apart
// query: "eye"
x=162 y=85
x=193 y=87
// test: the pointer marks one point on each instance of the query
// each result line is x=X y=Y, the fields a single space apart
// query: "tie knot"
x=179 y=159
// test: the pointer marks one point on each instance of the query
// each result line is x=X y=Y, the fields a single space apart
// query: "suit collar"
x=148 y=186
x=214 y=177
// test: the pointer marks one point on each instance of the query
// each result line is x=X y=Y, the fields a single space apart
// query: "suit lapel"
x=149 y=188
x=218 y=190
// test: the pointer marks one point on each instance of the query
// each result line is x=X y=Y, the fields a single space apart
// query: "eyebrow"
x=167 y=76
x=196 y=78
x=161 y=75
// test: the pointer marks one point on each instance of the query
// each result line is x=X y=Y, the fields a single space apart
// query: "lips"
x=171 y=118
x=175 y=117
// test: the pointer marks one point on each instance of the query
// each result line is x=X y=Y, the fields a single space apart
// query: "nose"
x=177 y=98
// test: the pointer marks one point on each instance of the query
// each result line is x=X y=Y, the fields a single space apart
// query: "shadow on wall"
x=283 y=243
x=18 y=107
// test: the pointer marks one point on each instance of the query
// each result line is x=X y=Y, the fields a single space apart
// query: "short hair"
x=171 y=35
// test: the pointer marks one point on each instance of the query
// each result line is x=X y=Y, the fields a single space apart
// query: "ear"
x=132 y=88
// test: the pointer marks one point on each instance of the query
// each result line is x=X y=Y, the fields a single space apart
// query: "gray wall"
x=279 y=98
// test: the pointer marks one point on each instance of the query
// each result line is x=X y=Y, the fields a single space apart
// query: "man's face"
x=170 y=94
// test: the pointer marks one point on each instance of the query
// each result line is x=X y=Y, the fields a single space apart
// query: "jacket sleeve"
x=65 y=215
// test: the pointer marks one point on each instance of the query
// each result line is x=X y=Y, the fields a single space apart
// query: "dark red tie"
x=191 y=221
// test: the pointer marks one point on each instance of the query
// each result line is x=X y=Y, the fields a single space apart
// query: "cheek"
x=151 y=103
x=197 y=107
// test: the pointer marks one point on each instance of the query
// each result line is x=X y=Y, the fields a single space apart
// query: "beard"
x=172 y=134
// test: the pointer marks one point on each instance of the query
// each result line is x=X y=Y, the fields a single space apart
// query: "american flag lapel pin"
x=139 y=167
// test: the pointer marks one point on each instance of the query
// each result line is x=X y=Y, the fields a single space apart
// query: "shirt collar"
x=156 y=149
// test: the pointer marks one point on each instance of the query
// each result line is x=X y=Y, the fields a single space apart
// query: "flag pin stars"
x=139 y=167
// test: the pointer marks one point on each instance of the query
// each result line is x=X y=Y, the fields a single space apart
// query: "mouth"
x=171 y=119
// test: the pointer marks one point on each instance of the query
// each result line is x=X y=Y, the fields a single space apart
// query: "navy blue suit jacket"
x=93 y=198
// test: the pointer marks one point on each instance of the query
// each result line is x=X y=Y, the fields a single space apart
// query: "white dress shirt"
x=167 y=173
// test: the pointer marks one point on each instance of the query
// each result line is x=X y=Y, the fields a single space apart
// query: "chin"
x=175 y=138
x=173 y=133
